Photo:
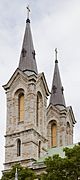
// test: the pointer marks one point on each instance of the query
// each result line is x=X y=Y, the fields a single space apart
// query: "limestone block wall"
x=53 y=117
x=69 y=128
x=32 y=137
x=29 y=147
x=12 y=108
x=64 y=123
x=43 y=117
x=30 y=89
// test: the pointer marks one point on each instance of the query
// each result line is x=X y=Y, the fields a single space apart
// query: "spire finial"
x=28 y=11
x=56 y=61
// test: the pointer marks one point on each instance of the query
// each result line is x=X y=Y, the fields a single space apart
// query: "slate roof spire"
x=27 y=58
x=57 y=95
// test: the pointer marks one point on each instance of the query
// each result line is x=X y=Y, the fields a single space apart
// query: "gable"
x=71 y=114
x=52 y=112
x=43 y=84
x=15 y=79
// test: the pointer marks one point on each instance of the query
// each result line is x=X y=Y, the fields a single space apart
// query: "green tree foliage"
x=67 y=168
x=23 y=173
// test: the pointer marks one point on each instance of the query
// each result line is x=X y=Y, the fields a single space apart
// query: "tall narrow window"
x=39 y=149
x=53 y=135
x=21 y=107
x=18 y=147
x=68 y=133
x=39 y=109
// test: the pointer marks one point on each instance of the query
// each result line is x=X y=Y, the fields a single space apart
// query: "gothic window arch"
x=53 y=134
x=18 y=147
x=19 y=110
x=21 y=106
x=39 y=109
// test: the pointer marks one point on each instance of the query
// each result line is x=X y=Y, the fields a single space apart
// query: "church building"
x=32 y=127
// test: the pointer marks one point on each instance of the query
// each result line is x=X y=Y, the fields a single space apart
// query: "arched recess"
x=18 y=147
x=19 y=105
x=39 y=149
x=52 y=133
x=68 y=132
x=39 y=109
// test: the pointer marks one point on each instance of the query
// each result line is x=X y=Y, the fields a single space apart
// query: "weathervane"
x=28 y=11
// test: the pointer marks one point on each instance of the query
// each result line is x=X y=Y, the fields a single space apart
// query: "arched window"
x=18 y=147
x=39 y=149
x=39 y=109
x=53 y=134
x=21 y=107
x=68 y=133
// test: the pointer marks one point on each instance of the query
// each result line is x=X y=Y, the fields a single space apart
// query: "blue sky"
x=54 y=24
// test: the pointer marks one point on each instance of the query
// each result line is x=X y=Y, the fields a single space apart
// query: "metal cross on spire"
x=28 y=11
x=56 y=52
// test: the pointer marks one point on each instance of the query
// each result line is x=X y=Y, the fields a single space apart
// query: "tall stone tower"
x=27 y=93
x=60 y=118
x=31 y=126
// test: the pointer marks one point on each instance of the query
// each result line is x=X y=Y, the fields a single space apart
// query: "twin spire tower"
x=31 y=126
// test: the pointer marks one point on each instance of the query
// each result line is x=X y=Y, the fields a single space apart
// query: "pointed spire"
x=16 y=175
x=57 y=95
x=27 y=59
